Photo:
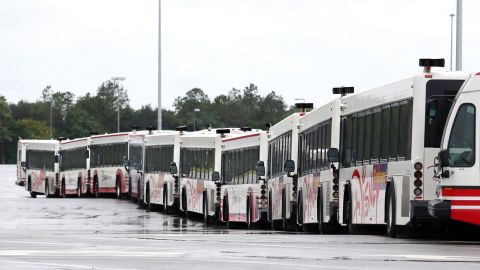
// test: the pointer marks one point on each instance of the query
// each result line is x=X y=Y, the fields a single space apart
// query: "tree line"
x=74 y=117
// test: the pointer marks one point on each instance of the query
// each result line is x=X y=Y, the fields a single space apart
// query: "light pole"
x=458 y=46
x=195 y=111
x=159 y=123
x=116 y=79
x=451 y=41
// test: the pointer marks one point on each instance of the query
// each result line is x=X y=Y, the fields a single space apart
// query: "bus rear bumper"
x=440 y=208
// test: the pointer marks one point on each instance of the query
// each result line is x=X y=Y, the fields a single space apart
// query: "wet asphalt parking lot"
x=107 y=233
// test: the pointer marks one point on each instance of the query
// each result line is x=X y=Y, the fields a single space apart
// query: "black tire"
x=147 y=197
x=130 y=188
x=79 y=188
x=64 y=188
x=270 y=210
x=184 y=202
x=284 y=210
x=33 y=194
x=321 y=227
x=352 y=228
x=29 y=184
x=205 y=208
x=96 y=192
x=390 y=212
x=118 y=190
x=249 y=212
x=139 y=199
x=300 y=208
x=225 y=210
x=47 y=189
x=165 y=199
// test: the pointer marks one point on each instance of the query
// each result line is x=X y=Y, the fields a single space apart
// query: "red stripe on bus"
x=107 y=190
x=457 y=202
x=466 y=215
x=451 y=191
x=241 y=137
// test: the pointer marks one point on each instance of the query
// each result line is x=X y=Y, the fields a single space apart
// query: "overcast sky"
x=299 y=48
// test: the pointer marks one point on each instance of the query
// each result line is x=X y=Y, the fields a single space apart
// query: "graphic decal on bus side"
x=38 y=181
x=195 y=195
x=309 y=194
x=366 y=193
x=156 y=188
x=277 y=187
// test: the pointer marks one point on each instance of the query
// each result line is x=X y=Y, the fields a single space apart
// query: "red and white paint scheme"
x=159 y=185
x=116 y=162
x=75 y=177
x=21 y=162
x=42 y=167
x=389 y=137
x=243 y=195
x=201 y=169
x=282 y=146
x=317 y=181
x=459 y=167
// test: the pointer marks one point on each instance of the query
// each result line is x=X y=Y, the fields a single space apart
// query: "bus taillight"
x=335 y=184
x=418 y=183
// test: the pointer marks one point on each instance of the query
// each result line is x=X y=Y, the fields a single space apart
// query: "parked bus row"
x=372 y=158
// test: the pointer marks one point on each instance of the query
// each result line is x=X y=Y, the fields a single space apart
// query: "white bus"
x=42 y=167
x=116 y=162
x=201 y=168
x=21 y=162
x=388 y=140
x=458 y=191
x=317 y=181
x=160 y=184
x=75 y=178
x=243 y=194
x=282 y=186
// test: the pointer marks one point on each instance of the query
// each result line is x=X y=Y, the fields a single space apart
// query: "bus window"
x=377 y=134
x=439 y=98
x=461 y=145
x=394 y=123
x=368 y=138
x=385 y=132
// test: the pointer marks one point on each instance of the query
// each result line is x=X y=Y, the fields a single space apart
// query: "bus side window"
x=461 y=145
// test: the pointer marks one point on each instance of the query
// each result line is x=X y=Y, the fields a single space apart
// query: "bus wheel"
x=390 y=211
x=147 y=197
x=139 y=200
x=79 y=188
x=184 y=202
x=95 y=187
x=205 y=208
x=165 y=199
x=321 y=228
x=300 y=210
x=64 y=188
x=248 y=213
x=270 y=207
x=349 y=212
x=117 y=189
x=33 y=194
x=130 y=188
x=284 y=210
x=225 y=211
x=46 y=189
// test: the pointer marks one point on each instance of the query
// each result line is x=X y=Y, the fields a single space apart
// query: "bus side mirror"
x=125 y=162
x=215 y=176
x=173 y=168
x=260 y=169
x=444 y=158
x=87 y=153
x=333 y=155
x=23 y=164
x=289 y=166
x=138 y=167
x=56 y=158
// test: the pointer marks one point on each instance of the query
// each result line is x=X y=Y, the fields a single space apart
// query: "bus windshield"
x=439 y=98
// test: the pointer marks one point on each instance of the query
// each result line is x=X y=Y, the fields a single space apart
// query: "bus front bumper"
x=440 y=208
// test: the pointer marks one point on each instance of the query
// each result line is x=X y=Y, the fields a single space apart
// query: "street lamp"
x=195 y=111
x=451 y=41
x=116 y=79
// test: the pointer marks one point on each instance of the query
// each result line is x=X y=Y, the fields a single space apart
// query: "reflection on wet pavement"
x=106 y=233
